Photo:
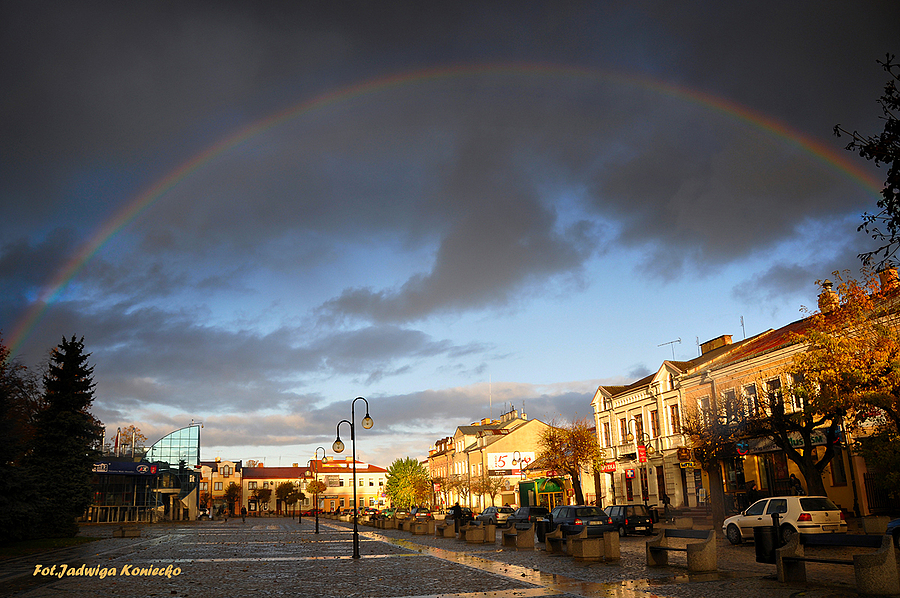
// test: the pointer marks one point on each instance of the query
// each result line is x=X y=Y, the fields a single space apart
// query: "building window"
x=654 y=423
x=371 y=482
x=705 y=411
x=623 y=431
x=342 y=502
x=607 y=434
x=360 y=482
x=675 y=419
x=380 y=482
x=225 y=471
x=251 y=485
x=797 y=380
x=730 y=406
x=638 y=426
x=218 y=486
x=749 y=395
x=204 y=486
x=341 y=483
x=773 y=393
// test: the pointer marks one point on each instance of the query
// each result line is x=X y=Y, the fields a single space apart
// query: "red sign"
x=642 y=453
x=629 y=473
x=609 y=467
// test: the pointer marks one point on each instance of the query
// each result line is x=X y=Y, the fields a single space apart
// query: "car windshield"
x=589 y=512
x=817 y=503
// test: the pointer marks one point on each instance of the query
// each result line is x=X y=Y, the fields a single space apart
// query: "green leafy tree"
x=316 y=487
x=569 y=449
x=408 y=483
x=20 y=402
x=884 y=225
x=66 y=438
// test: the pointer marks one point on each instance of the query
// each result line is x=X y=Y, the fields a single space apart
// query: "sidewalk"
x=274 y=557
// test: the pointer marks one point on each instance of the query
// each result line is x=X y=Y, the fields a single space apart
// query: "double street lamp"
x=316 y=493
x=338 y=447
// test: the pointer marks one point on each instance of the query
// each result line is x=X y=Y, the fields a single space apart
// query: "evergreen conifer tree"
x=65 y=441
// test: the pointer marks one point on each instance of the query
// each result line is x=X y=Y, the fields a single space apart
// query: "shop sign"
x=609 y=467
x=629 y=473
x=687 y=465
x=642 y=453
x=767 y=445
x=684 y=453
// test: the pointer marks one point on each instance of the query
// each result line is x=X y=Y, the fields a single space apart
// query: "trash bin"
x=765 y=537
x=654 y=514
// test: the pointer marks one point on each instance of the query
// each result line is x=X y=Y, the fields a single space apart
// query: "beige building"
x=261 y=477
x=337 y=475
x=493 y=448
x=639 y=428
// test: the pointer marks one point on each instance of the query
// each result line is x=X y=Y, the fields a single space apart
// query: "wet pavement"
x=279 y=557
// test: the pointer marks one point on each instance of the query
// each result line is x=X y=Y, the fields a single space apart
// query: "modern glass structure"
x=161 y=485
x=180 y=446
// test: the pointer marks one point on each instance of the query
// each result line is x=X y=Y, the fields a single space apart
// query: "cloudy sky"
x=256 y=211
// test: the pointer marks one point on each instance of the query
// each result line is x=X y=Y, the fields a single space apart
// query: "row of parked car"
x=625 y=519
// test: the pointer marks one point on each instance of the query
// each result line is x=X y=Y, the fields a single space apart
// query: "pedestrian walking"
x=666 y=501
x=243 y=514
x=796 y=486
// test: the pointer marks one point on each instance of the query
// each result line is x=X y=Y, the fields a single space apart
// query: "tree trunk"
x=576 y=485
x=716 y=495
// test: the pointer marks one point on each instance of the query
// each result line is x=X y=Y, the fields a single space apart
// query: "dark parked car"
x=574 y=518
x=523 y=517
x=630 y=519
x=495 y=515
x=421 y=513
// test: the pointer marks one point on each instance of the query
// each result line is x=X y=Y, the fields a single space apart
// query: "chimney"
x=828 y=299
x=888 y=279
x=719 y=341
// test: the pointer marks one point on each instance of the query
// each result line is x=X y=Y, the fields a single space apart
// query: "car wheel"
x=733 y=534
x=622 y=532
x=787 y=532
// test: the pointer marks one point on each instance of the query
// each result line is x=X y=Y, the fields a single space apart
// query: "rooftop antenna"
x=697 y=339
x=744 y=330
x=672 y=343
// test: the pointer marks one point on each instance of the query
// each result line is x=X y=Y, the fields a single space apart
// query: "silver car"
x=797 y=514
x=495 y=515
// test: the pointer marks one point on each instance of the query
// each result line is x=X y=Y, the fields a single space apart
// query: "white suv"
x=797 y=514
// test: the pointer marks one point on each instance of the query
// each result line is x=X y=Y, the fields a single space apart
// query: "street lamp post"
x=338 y=447
x=316 y=493
x=642 y=439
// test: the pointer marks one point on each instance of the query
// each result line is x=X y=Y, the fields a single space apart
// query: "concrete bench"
x=479 y=534
x=429 y=527
x=876 y=572
x=701 y=556
x=445 y=529
x=555 y=541
x=127 y=532
x=419 y=528
x=583 y=548
x=518 y=538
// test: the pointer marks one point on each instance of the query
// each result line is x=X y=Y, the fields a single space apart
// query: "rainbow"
x=54 y=287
